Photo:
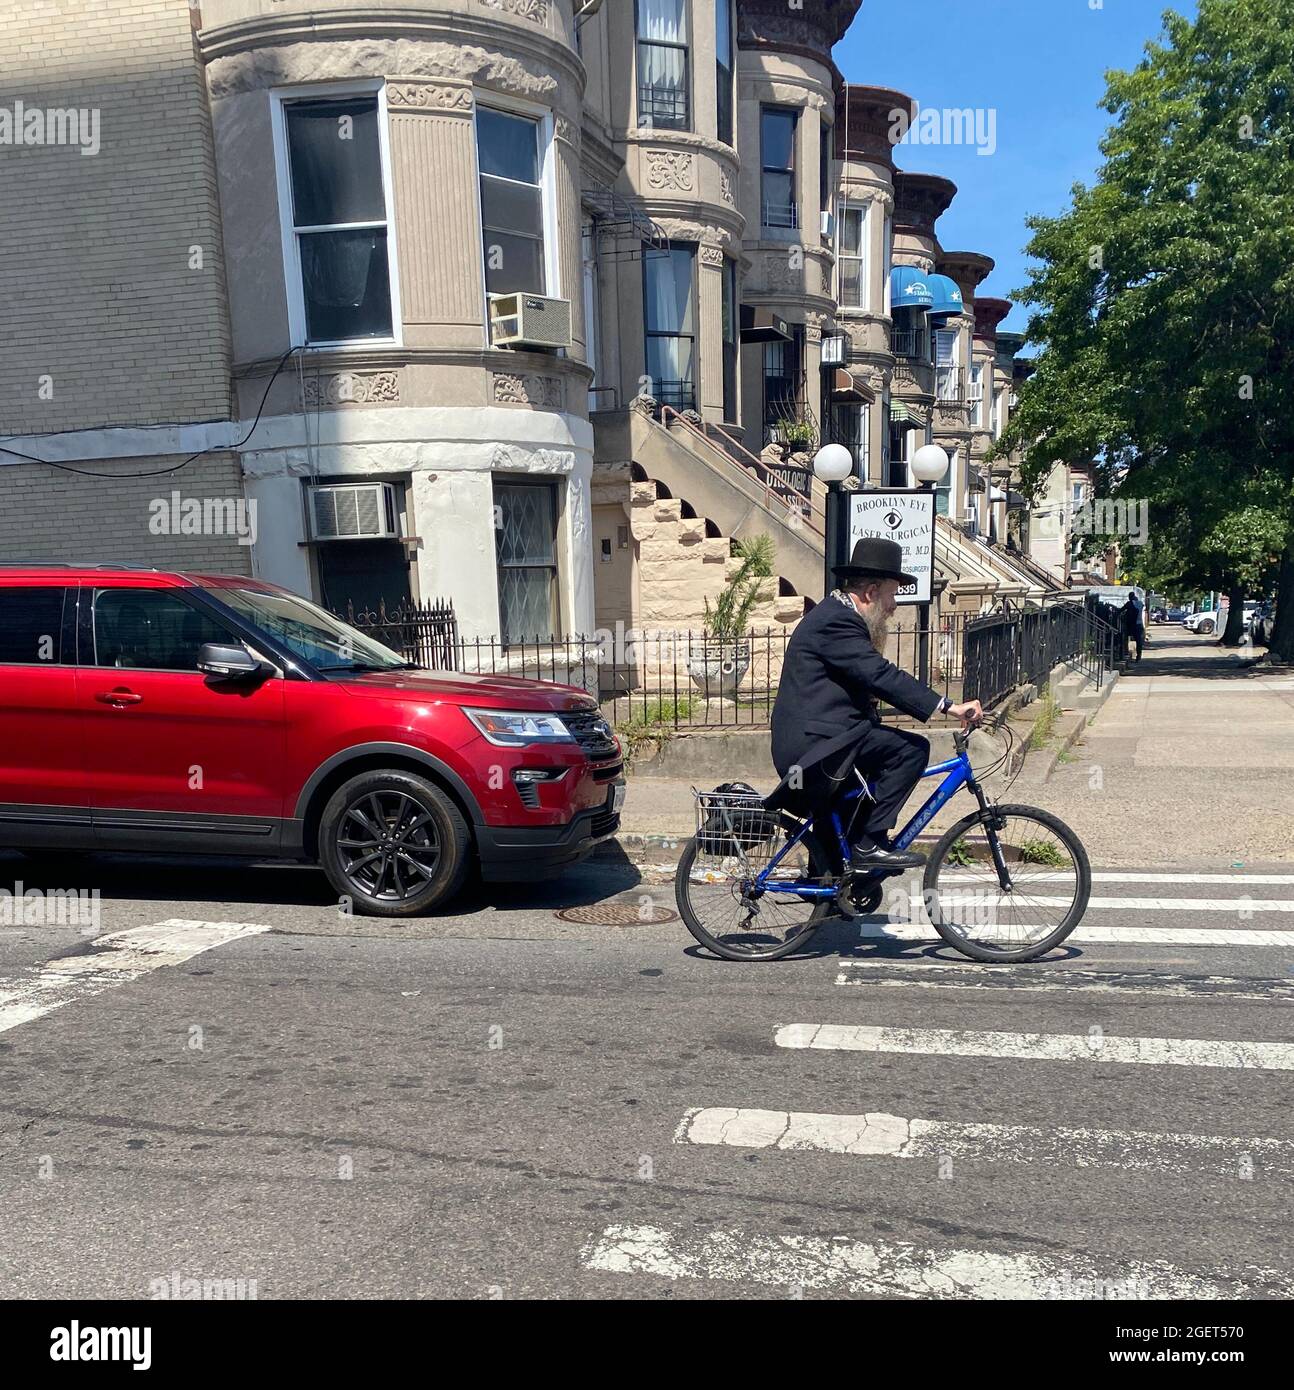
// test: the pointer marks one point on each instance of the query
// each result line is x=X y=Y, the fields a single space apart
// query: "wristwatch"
x=944 y=705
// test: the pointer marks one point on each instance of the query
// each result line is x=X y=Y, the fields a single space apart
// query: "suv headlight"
x=515 y=730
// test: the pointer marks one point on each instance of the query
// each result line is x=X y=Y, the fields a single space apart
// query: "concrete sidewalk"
x=1189 y=760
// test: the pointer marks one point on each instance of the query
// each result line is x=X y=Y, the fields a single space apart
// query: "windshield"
x=312 y=633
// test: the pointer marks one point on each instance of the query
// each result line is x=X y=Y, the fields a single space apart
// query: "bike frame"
x=960 y=774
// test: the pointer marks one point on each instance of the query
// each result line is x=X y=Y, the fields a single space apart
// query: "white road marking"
x=1118 y=876
x=1045 y=1047
x=893 y=1136
x=901 y=1269
x=1034 y=980
x=989 y=897
x=114 y=959
x=879 y=929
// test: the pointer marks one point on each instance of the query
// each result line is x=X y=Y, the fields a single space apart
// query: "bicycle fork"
x=993 y=822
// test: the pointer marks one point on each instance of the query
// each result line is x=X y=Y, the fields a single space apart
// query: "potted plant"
x=797 y=435
x=720 y=662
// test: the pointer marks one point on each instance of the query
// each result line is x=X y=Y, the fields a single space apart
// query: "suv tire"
x=393 y=843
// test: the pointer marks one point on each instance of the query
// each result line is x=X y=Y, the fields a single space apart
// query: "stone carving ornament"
x=523 y=9
x=353 y=388
x=712 y=255
x=545 y=392
x=669 y=169
x=429 y=96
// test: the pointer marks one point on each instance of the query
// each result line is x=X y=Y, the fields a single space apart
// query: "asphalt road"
x=498 y=1103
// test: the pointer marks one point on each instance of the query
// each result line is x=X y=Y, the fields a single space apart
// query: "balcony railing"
x=780 y=215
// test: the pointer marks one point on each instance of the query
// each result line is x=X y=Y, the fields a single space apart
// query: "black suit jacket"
x=827 y=699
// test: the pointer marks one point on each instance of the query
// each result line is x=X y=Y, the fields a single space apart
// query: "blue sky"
x=1040 y=64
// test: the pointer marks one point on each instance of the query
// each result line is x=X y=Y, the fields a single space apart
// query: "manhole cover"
x=617 y=915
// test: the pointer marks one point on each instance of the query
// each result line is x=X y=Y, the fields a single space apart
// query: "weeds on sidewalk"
x=652 y=726
x=1045 y=722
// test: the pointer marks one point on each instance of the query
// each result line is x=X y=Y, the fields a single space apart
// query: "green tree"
x=1163 y=303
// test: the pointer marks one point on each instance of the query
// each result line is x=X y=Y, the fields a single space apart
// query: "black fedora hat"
x=875 y=558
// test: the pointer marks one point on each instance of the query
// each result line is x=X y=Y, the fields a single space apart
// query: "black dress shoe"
x=883 y=860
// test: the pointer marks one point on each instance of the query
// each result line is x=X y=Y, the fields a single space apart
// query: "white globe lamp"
x=929 y=463
x=833 y=463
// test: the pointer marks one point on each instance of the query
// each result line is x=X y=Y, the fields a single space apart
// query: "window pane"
x=509 y=145
x=335 y=160
x=851 y=283
x=513 y=263
x=664 y=20
x=30 y=620
x=512 y=207
x=778 y=140
x=723 y=32
x=779 y=200
x=729 y=300
x=347 y=286
x=851 y=232
x=526 y=604
x=151 y=630
x=527 y=528
x=669 y=363
x=669 y=291
x=662 y=86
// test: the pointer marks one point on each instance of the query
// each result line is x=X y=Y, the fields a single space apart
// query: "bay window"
x=510 y=160
x=777 y=159
x=723 y=68
x=335 y=206
x=851 y=258
x=663 y=65
x=669 y=311
x=526 y=559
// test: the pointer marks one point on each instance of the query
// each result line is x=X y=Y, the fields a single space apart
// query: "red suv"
x=207 y=714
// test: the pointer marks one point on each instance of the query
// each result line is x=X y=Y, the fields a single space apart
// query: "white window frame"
x=279 y=97
x=975 y=391
x=864 y=210
x=887 y=255
x=517 y=106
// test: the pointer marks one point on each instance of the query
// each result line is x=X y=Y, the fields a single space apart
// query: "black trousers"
x=892 y=761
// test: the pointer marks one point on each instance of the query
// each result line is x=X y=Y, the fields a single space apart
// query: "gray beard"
x=878 y=625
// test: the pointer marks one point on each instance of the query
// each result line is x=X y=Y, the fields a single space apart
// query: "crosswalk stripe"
x=986 y=899
x=114 y=959
x=879 y=929
x=1129 y=876
x=901 y=1269
x=1049 y=1047
x=1028 y=979
x=893 y=1136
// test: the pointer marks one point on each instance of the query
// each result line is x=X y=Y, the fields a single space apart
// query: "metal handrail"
x=766 y=474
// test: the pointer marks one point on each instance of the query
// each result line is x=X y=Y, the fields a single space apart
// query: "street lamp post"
x=929 y=464
x=832 y=464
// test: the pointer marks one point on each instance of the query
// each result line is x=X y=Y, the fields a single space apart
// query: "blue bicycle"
x=1005 y=883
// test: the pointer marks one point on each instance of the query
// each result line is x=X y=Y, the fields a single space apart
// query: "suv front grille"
x=592 y=733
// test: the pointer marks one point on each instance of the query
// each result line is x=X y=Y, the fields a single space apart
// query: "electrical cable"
x=156 y=472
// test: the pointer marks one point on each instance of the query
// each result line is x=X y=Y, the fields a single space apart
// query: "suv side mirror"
x=219 y=659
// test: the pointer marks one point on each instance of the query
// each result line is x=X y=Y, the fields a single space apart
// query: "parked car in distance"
x=1207 y=621
x=1264 y=620
x=211 y=714
x=1175 y=615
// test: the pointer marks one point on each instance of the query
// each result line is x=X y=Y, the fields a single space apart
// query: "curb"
x=1081 y=719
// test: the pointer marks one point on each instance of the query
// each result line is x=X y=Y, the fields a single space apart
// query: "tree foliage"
x=1163 y=305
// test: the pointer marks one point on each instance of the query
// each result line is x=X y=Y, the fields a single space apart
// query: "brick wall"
x=95 y=250
x=53 y=516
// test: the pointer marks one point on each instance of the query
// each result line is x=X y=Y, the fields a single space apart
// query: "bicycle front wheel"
x=728 y=915
x=1051 y=882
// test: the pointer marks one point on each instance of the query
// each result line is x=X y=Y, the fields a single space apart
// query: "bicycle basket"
x=732 y=819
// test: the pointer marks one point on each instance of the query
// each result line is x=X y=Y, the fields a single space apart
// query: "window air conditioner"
x=353 y=512
x=529 y=320
x=828 y=225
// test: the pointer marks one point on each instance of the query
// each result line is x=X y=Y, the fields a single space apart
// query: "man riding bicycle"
x=826 y=722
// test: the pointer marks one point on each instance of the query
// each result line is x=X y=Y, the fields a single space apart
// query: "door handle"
x=118 y=697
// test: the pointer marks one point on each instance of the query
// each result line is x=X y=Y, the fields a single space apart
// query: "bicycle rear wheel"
x=716 y=900
x=1051 y=882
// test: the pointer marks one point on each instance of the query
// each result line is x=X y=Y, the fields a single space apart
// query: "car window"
x=30 y=624
x=151 y=630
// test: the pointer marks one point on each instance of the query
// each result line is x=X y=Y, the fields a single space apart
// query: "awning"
x=995 y=494
x=845 y=386
x=762 y=326
x=910 y=288
x=947 y=298
x=1015 y=502
x=902 y=413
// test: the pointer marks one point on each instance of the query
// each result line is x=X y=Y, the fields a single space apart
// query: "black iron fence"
x=1003 y=650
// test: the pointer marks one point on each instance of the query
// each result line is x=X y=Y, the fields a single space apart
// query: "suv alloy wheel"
x=393 y=843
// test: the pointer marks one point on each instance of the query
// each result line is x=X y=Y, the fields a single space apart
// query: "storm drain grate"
x=617 y=915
